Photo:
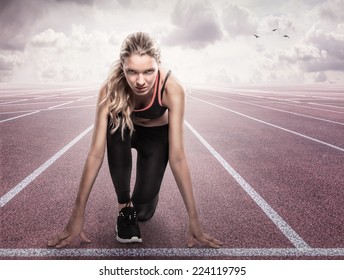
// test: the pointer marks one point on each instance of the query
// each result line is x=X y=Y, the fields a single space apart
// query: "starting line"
x=174 y=252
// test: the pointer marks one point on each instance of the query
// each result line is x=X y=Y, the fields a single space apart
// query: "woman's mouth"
x=140 y=89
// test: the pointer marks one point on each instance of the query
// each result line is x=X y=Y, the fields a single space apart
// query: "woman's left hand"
x=196 y=233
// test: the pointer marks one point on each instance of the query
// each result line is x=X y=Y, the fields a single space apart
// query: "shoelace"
x=129 y=217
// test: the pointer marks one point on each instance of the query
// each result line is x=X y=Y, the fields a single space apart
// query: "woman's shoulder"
x=103 y=95
x=103 y=90
x=174 y=93
x=103 y=100
x=172 y=84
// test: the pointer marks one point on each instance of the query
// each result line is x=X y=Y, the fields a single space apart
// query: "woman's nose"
x=140 y=80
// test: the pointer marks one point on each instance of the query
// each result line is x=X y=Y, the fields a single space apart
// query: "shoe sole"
x=134 y=239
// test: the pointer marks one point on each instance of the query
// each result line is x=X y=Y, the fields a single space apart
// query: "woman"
x=140 y=107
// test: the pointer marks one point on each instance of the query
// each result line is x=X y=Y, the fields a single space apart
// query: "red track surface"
x=283 y=198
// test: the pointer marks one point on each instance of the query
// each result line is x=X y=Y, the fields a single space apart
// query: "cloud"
x=320 y=77
x=82 y=55
x=331 y=42
x=82 y=2
x=307 y=56
x=196 y=25
x=321 y=51
x=16 y=21
x=281 y=22
x=332 y=10
x=238 y=20
x=8 y=61
x=49 y=39
x=77 y=40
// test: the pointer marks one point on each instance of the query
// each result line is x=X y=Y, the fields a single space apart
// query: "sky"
x=204 y=42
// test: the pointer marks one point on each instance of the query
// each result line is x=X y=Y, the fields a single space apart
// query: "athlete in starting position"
x=142 y=107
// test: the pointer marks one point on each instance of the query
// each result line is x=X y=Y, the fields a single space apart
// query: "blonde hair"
x=121 y=103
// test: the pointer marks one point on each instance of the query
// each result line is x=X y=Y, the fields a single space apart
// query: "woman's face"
x=140 y=72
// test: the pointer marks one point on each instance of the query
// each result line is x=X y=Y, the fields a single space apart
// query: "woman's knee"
x=145 y=211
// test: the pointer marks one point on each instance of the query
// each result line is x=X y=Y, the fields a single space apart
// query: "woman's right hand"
x=73 y=229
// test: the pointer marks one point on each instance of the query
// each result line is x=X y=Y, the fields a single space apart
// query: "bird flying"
x=286 y=36
x=256 y=35
x=274 y=29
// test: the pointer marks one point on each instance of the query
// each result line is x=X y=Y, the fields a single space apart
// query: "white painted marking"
x=270 y=124
x=71 y=107
x=270 y=108
x=268 y=210
x=45 y=97
x=87 y=97
x=325 y=105
x=11 y=102
x=47 y=91
x=17 y=117
x=280 y=91
x=16 y=112
x=52 y=107
x=173 y=252
x=261 y=98
x=33 y=103
x=24 y=183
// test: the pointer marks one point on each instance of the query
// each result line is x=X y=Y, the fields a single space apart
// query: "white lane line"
x=11 y=102
x=270 y=124
x=268 y=210
x=174 y=252
x=24 y=183
x=50 y=108
x=84 y=98
x=65 y=97
x=24 y=104
x=308 y=107
x=47 y=91
x=16 y=112
x=261 y=98
x=17 y=117
x=45 y=97
x=253 y=96
x=325 y=105
x=71 y=107
x=270 y=108
x=296 y=95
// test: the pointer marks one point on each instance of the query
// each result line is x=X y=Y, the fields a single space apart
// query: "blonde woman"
x=142 y=107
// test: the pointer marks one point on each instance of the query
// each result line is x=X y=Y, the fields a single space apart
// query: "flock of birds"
x=285 y=36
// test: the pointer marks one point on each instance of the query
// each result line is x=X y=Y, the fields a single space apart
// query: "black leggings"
x=151 y=144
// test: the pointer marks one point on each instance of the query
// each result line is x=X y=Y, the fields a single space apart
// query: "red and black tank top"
x=155 y=109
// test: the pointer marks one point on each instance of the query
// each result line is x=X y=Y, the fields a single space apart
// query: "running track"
x=267 y=167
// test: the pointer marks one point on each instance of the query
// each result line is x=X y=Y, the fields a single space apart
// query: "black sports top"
x=155 y=108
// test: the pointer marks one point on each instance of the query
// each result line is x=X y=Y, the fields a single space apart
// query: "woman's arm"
x=95 y=155
x=174 y=100
x=89 y=174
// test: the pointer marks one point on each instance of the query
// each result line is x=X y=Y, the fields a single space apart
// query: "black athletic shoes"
x=127 y=228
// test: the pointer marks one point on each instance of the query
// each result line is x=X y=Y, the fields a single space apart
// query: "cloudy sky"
x=202 y=41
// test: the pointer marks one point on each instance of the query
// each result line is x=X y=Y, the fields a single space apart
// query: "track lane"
x=234 y=217
x=327 y=133
x=301 y=180
x=34 y=144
